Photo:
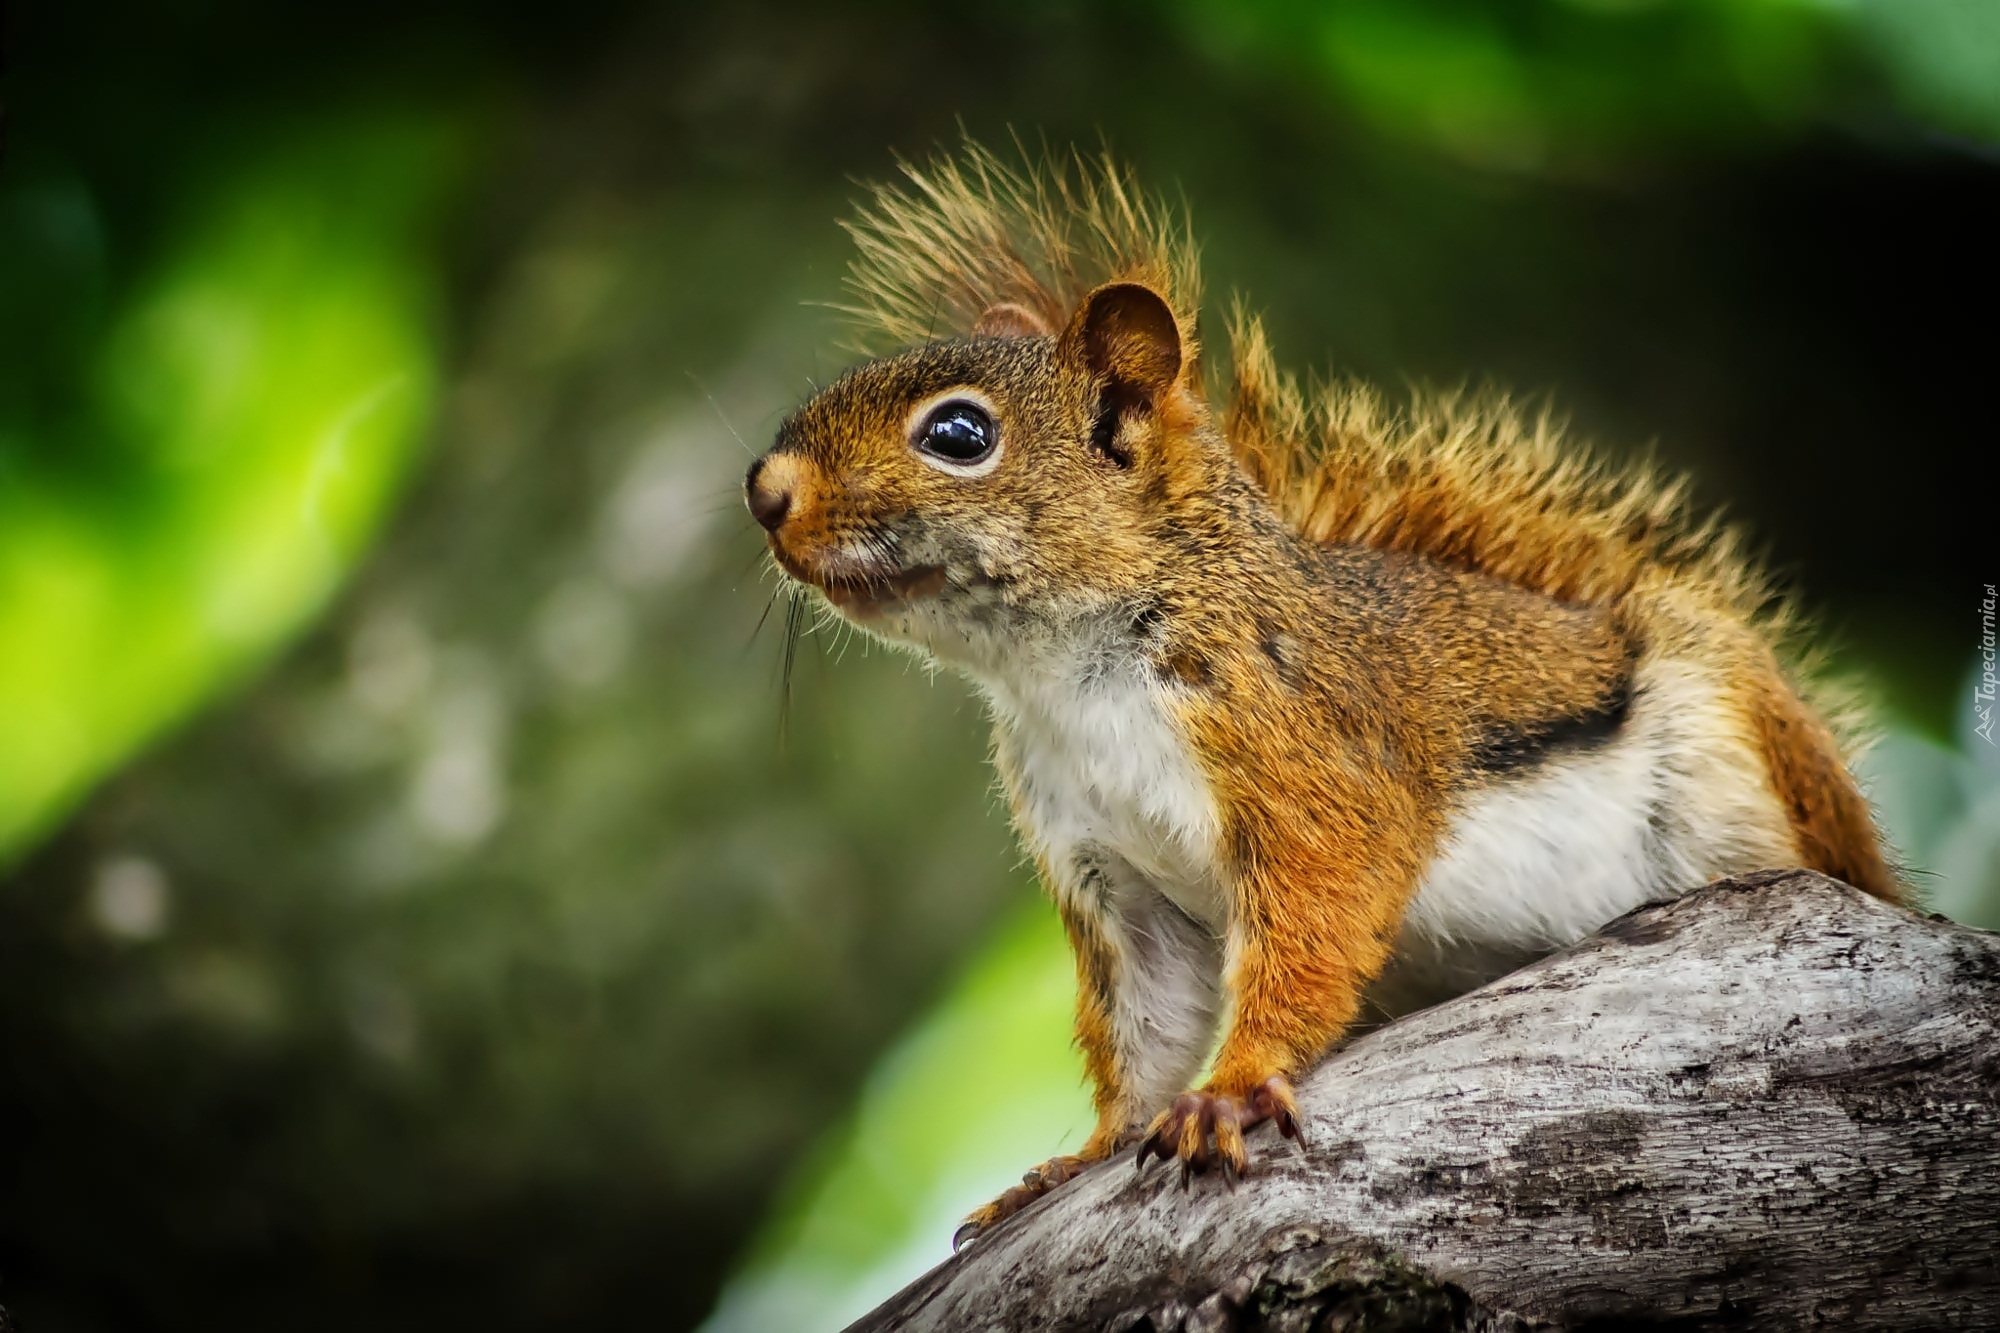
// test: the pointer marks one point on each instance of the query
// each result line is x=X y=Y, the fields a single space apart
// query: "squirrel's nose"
x=769 y=498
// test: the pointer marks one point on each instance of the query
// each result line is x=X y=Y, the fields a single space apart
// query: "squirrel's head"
x=953 y=495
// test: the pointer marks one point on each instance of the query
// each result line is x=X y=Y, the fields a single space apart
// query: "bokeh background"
x=418 y=907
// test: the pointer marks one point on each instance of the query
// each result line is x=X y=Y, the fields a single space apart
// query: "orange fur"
x=1260 y=673
x=1460 y=477
x=967 y=235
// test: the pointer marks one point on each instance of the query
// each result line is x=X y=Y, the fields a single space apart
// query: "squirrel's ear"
x=1126 y=332
x=1010 y=319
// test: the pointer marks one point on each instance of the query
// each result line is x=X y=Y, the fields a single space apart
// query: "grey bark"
x=1774 y=1101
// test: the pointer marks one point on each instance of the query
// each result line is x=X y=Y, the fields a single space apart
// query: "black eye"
x=957 y=432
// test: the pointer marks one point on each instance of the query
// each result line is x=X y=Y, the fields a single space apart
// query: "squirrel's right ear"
x=1127 y=333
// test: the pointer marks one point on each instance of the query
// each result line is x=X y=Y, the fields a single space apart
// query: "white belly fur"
x=1539 y=861
x=1099 y=763
x=1110 y=798
x=1528 y=864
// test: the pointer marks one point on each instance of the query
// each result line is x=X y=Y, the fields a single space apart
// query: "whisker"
x=849 y=636
x=758 y=628
x=717 y=407
x=795 y=615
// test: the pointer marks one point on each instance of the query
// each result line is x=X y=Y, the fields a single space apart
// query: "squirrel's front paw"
x=1039 y=1181
x=1202 y=1128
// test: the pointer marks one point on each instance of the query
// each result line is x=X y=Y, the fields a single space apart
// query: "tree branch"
x=1773 y=1101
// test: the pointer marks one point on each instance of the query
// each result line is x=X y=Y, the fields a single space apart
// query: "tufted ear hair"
x=1126 y=333
x=1010 y=319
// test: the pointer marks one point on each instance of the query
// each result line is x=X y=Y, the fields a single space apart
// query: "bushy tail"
x=1468 y=479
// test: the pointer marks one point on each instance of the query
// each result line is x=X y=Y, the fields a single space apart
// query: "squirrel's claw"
x=1273 y=1100
x=1206 y=1128
x=1034 y=1184
x=1167 y=1137
x=1229 y=1147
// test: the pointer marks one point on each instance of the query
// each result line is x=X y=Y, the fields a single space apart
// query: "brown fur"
x=1359 y=620
x=1462 y=478
x=967 y=235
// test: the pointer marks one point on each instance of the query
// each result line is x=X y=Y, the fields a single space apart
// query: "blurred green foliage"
x=484 y=955
x=1597 y=85
x=1942 y=58
x=986 y=1080
x=241 y=420
x=1589 y=82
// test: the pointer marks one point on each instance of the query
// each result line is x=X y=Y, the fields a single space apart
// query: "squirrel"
x=1308 y=709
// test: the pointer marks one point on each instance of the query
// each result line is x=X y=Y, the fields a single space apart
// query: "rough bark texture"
x=1774 y=1101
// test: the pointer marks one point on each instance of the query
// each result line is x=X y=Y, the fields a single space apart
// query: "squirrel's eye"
x=957 y=432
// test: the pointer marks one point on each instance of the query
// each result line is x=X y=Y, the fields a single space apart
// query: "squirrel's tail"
x=1468 y=479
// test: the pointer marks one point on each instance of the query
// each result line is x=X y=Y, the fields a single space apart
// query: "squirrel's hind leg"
x=1037 y=1182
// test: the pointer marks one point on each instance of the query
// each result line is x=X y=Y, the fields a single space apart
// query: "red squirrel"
x=1302 y=703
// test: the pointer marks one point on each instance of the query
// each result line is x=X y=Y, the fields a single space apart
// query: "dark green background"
x=504 y=958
